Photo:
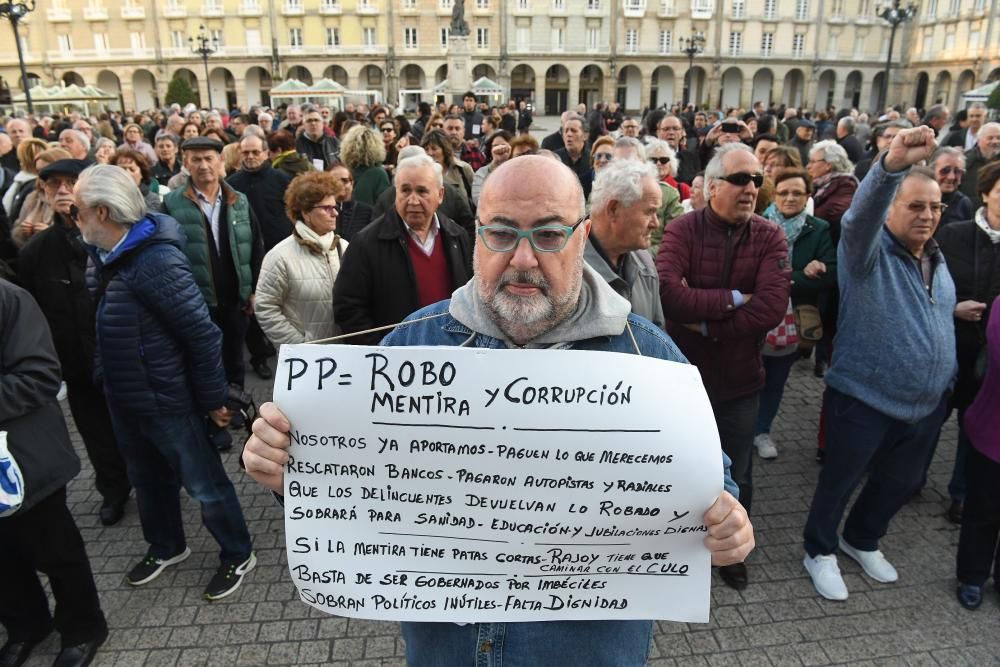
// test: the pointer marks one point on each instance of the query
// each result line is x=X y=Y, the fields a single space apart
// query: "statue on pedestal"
x=459 y=28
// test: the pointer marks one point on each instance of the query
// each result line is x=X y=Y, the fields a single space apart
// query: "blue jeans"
x=163 y=453
x=776 y=370
x=576 y=643
x=860 y=439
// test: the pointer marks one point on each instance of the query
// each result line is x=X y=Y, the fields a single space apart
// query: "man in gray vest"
x=224 y=246
x=624 y=202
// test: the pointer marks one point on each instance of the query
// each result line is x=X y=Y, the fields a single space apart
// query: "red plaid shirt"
x=473 y=156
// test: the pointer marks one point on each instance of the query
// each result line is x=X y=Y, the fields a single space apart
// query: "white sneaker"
x=872 y=562
x=63 y=392
x=765 y=446
x=825 y=575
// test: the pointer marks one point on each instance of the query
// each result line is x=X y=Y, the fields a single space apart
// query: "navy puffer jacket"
x=158 y=351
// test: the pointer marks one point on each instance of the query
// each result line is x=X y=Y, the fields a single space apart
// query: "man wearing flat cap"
x=224 y=246
x=804 y=138
x=53 y=267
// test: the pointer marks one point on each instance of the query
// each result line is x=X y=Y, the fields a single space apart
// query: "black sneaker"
x=151 y=567
x=228 y=578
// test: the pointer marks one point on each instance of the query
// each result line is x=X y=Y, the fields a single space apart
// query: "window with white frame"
x=702 y=6
x=445 y=36
x=253 y=38
x=931 y=10
x=798 y=45
x=838 y=8
x=177 y=39
x=295 y=5
x=558 y=39
x=668 y=7
x=979 y=6
x=366 y=5
x=801 y=10
x=865 y=8
x=368 y=36
x=831 y=45
x=949 y=42
x=410 y=38
x=593 y=5
x=635 y=5
x=631 y=40
x=101 y=42
x=333 y=36
x=735 y=43
x=928 y=44
x=65 y=43
x=482 y=38
x=409 y=4
x=216 y=37
x=973 y=40
x=859 y=46
x=295 y=38
x=522 y=38
x=482 y=4
x=524 y=4
x=329 y=5
x=593 y=39
x=446 y=4
x=955 y=7
x=767 y=44
x=739 y=9
x=138 y=41
x=770 y=9
x=666 y=41
x=558 y=5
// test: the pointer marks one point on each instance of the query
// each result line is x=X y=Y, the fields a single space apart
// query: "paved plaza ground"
x=777 y=620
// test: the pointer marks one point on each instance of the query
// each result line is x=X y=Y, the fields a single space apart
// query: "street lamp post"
x=691 y=46
x=204 y=46
x=893 y=14
x=14 y=12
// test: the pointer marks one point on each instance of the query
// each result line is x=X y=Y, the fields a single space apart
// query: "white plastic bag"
x=11 y=480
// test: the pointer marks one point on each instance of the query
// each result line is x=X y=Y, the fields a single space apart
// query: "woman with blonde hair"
x=24 y=181
x=295 y=288
x=363 y=152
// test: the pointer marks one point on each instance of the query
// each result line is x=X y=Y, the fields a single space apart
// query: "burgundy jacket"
x=714 y=258
x=833 y=202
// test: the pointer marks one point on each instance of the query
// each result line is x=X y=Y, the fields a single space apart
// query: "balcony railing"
x=98 y=54
x=133 y=13
x=175 y=11
x=293 y=9
x=95 y=13
x=250 y=9
x=59 y=14
x=330 y=9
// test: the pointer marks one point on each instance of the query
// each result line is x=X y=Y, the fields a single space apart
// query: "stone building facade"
x=556 y=53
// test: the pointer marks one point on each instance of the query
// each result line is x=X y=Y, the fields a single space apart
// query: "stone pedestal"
x=459 y=67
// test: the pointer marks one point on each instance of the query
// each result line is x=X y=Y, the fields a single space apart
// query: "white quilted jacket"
x=295 y=290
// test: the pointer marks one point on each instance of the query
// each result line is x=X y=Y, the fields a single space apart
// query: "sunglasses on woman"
x=660 y=160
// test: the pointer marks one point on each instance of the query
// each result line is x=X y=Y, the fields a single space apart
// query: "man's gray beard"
x=524 y=318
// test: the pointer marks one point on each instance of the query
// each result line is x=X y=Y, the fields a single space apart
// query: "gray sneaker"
x=765 y=446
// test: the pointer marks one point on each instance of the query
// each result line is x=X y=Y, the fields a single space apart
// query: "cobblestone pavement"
x=777 y=620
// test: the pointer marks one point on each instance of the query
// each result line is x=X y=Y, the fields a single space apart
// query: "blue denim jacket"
x=577 y=643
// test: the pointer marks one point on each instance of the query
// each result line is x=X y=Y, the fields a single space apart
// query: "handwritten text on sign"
x=454 y=484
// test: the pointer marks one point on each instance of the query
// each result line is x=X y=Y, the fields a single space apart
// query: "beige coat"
x=295 y=288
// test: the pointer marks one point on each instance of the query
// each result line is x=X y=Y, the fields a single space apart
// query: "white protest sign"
x=471 y=485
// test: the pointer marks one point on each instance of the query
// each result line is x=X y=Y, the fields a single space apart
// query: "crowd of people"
x=147 y=258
